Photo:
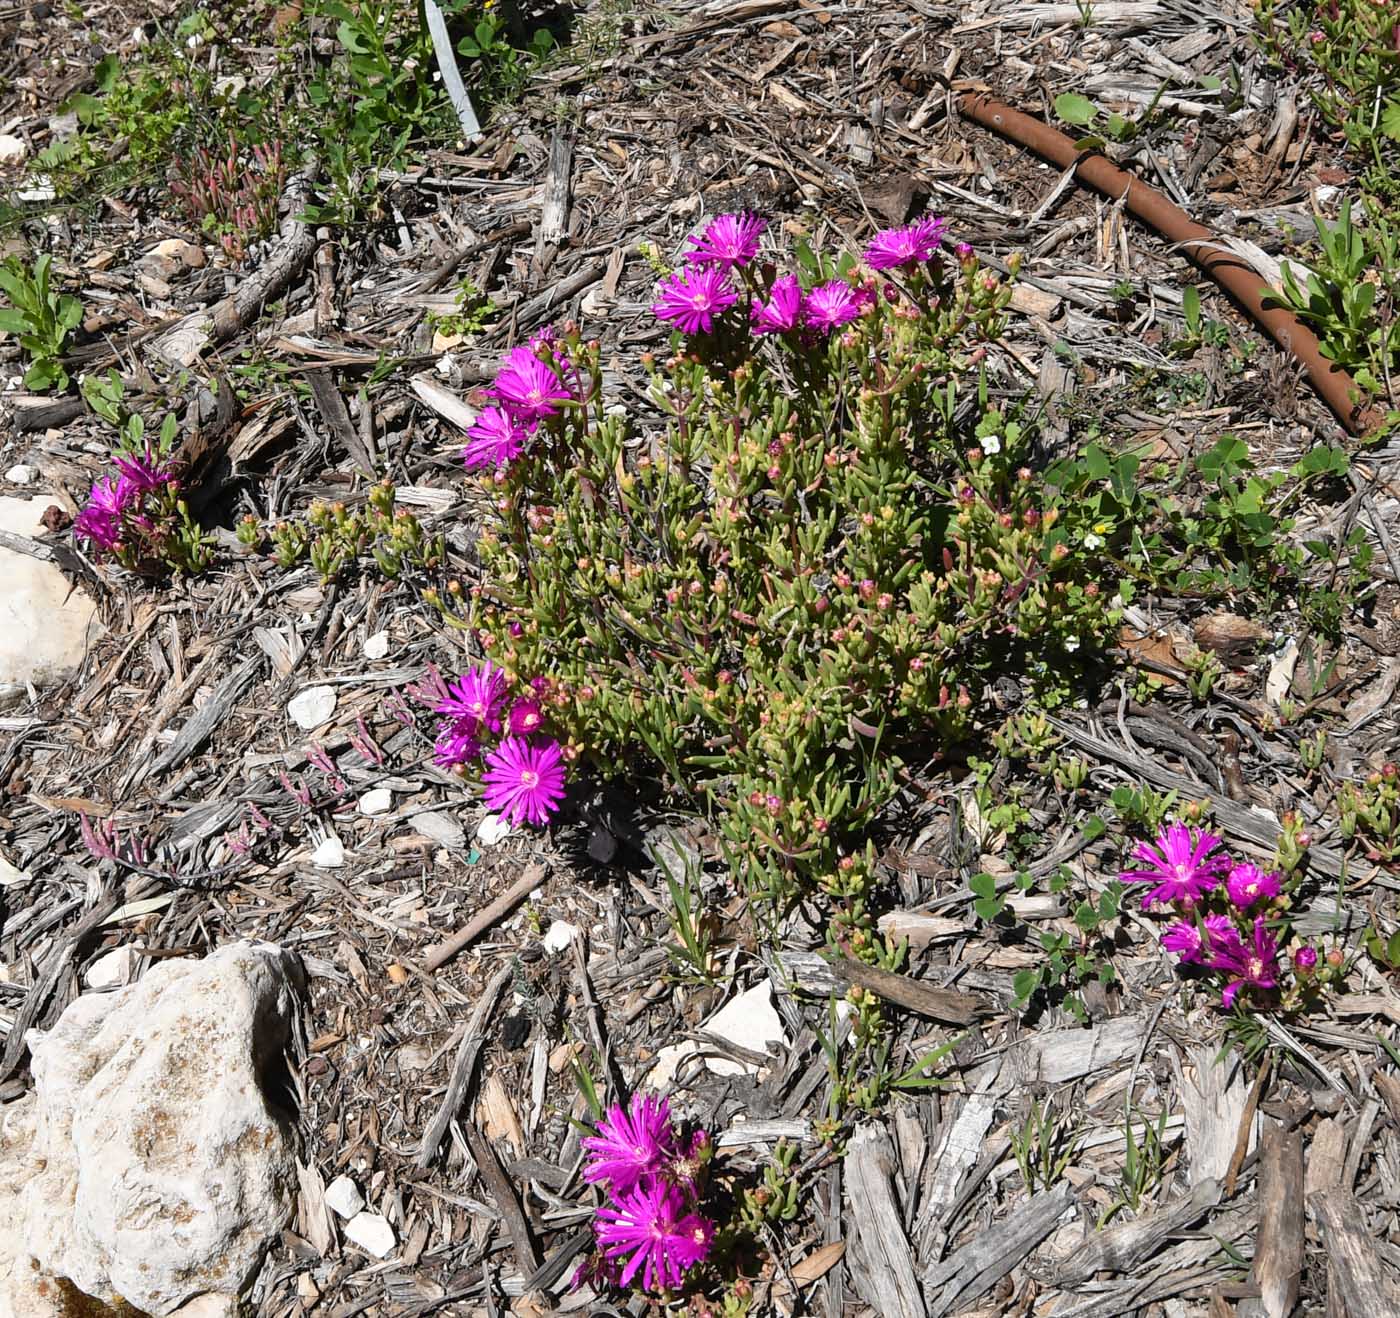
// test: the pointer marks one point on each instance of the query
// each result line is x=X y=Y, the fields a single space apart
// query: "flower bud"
x=1305 y=960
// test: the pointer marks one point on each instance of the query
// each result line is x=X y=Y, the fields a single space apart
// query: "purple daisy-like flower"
x=495 y=439
x=477 y=695
x=651 y=1229
x=524 y=718
x=529 y=388
x=1250 y=965
x=1247 y=884
x=891 y=248
x=631 y=1143
x=829 y=306
x=729 y=241
x=524 y=780
x=783 y=309
x=457 y=743
x=691 y=299
x=1183 y=865
x=100 y=521
x=1192 y=944
x=143 y=471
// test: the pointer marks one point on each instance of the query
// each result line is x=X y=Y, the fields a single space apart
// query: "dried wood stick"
x=484 y=919
x=1362 y=1283
x=1121 y=1248
x=1278 y=1247
x=527 y=1256
x=462 y=1068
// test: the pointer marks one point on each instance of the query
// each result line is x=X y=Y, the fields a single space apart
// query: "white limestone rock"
x=749 y=1020
x=45 y=625
x=377 y=801
x=150 y=1165
x=12 y=150
x=330 y=855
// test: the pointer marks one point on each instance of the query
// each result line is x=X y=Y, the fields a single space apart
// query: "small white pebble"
x=376 y=646
x=379 y=801
x=330 y=855
x=344 y=1196
x=371 y=1233
x=559 y=935
x=491 y=830
x=311 y=706
x=19 y=474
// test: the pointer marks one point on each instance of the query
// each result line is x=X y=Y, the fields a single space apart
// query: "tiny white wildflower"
x=1092 y=541
x=992 y=444
x=1071 y=643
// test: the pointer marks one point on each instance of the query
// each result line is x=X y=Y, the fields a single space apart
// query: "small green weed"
x=1349 y=298
x=1144 y=1161
x=475 y=311
x=1081 y=112
x=1370 y=813
x=693 y=927
x=1044 y=1145
x=41 y=317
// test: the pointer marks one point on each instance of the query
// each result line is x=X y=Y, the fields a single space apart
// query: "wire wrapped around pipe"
x=1336 y=387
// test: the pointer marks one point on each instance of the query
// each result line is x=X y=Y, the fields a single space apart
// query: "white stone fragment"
x=371 y=1233
x=45 y=625
x=20 y=474
x=491 y=830
x=440 y=828
x=376 y=646
x=112 y=969
x=344 y=1197
x=149 y=1166
x=751 y=1021
x=311 y=706
x=12 y=149
x=559 y=936
x=668 y=1061
x=377 y=801
x=330 y=855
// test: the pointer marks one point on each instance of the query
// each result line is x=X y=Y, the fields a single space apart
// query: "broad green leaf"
x=1075 y=109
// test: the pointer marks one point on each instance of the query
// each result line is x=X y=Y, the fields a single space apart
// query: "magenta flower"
x=691 y=298
x=1191 y=945
x=631 y=1144
x=891 y=248
x=1182 y=865
x=782 y=310
x=524 y=780
x=100 y=521
x=1247 y=884
x=1252 y=965
x=1305 y=960
x=456 y=743
x=477 y=695
x=524 y=718
x=143 y=472
x=529 y=388
x=832 y=305
x=729 y=242
x=650 y=1224
x=495 y=438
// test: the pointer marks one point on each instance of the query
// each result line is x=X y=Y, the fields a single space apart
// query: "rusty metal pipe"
x=1338 y=390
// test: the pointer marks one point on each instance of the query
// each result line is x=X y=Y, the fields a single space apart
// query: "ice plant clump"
x=136 y=515
x=1230 y=920
x=651 y=1228
x=798 y=566
x=524 y=774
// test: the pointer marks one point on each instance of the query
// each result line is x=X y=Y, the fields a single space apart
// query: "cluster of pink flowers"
x=524 y=771
x=691 y=298
x=1222 y=909
x=651 y=1225
x=117 y=503
x=534 y=382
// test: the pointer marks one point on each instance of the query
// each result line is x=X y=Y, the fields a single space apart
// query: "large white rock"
x=45 y=624
x=152 y=1165
x=749 y=1020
